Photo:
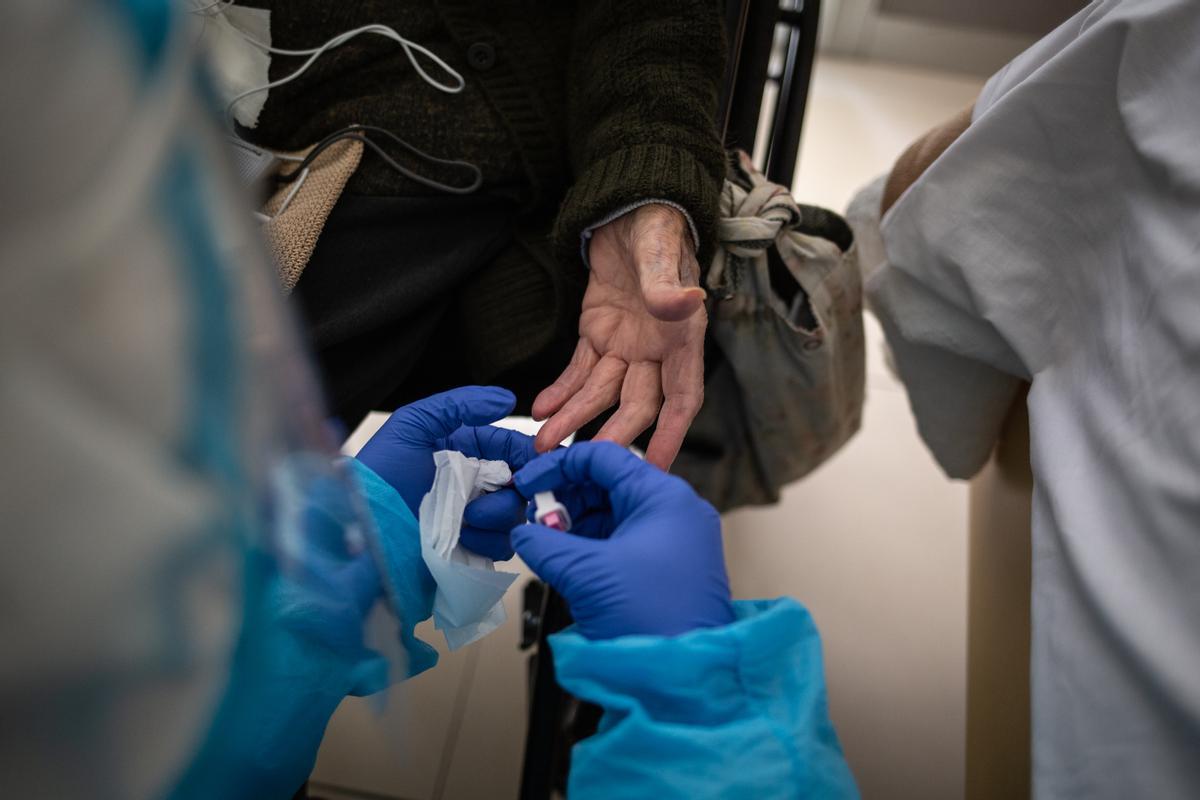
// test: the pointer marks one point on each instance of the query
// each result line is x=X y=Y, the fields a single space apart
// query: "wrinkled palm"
x=641 y=338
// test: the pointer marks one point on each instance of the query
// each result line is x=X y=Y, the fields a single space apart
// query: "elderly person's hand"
x=641 y=337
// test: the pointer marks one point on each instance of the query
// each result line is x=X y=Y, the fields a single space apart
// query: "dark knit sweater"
x=571 y=110
x=613 y=100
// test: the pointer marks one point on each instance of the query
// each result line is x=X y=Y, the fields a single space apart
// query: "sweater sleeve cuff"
x=395 y=543
x=586 y=236
x=705 y=676
x=625 y=178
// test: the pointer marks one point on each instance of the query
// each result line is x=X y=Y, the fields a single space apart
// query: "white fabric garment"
x=469 y=602
x=236 y=65
x=1058 y=240
x=154 y=402
x=117 y=630
x=960 y=402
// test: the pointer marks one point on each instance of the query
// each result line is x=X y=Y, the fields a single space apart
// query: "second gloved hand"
x=659 y=568
x=401 y=453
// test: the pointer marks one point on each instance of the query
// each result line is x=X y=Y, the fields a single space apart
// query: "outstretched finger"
x=572 y=379
x=601 y=390
x=683 y=390
x=641 y=396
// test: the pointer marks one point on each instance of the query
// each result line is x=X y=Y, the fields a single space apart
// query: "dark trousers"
x=380 y=300
x=378 y=293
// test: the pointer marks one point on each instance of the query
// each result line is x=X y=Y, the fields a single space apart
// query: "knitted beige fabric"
x=292 y=235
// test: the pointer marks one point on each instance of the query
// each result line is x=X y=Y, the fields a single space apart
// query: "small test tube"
x=551 y=513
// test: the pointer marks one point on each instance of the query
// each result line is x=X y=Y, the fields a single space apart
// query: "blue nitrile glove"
x=401 y=453
x=657 y=567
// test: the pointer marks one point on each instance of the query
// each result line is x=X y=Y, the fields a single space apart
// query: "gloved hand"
x=401 y=453
x=644 y=555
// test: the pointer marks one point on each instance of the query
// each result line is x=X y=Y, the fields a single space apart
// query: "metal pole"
x=804 y=20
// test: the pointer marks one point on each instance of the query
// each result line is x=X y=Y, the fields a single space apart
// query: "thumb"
x=558 y=558
x=435 y=417
x=661 y=259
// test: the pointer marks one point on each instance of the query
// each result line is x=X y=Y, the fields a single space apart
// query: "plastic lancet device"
x=551 y=513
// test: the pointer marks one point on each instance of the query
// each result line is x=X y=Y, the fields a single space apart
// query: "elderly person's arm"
x=648 y=166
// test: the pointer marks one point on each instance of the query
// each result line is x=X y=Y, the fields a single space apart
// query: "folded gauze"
x=469 y=601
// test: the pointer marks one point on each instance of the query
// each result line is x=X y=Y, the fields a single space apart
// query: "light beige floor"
x=874 y=543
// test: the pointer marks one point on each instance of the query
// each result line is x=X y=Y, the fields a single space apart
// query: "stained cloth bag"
x=785 y=359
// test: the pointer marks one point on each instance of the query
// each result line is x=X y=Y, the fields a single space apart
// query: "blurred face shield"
x=169 y=470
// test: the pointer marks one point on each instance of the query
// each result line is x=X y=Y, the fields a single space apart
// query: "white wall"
x=874 y=543
x=867 y=29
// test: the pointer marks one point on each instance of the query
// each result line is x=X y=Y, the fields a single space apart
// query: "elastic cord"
x=358 y=133
x=411 y=49
x=355 y=132
x=287 y=201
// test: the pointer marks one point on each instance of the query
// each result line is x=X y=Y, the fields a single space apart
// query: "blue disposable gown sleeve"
x=302 y=650
x=732 y=712
x=407 y=581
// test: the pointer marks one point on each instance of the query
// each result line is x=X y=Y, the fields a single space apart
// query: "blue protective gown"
x=732 y=712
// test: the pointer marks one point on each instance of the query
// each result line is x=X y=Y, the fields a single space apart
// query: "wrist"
x=632 y=174
x=663 y=618
x=585 y=237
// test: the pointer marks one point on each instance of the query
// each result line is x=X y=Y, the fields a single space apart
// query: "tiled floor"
x=874 y=543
